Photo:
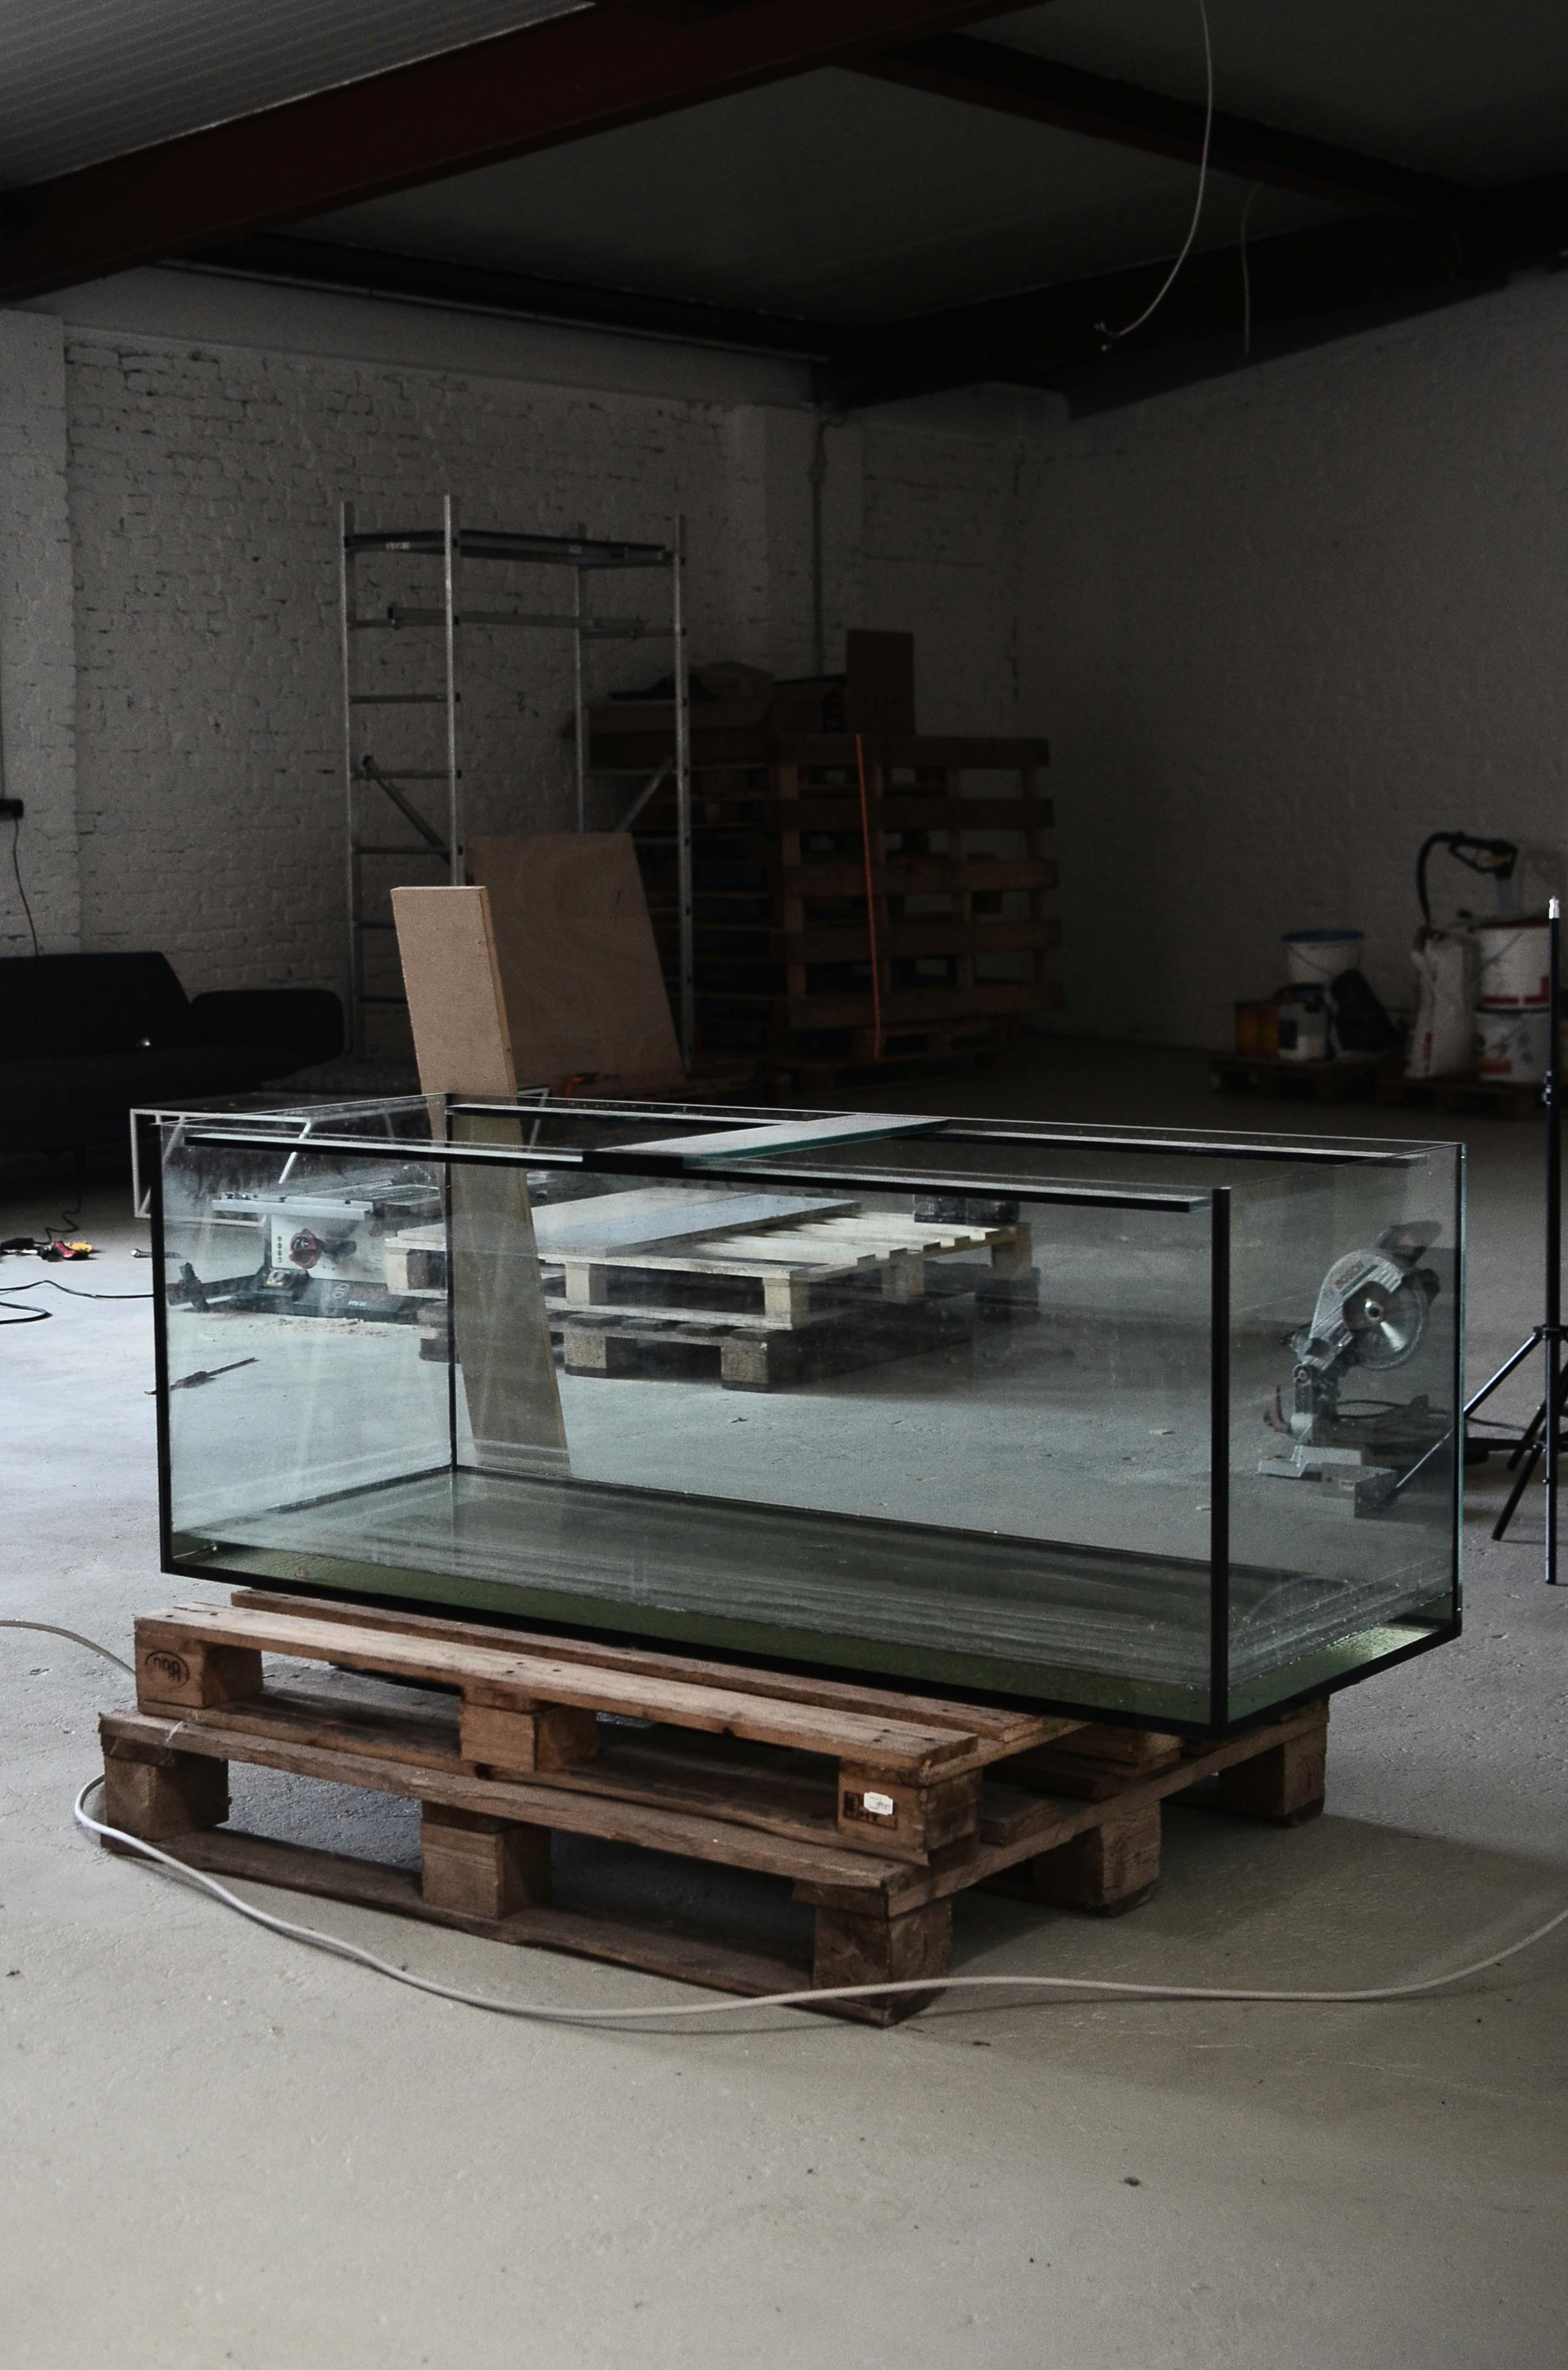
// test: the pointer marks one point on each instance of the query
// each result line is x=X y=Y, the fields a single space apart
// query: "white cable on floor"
x=813 y=1997
x=52 y=1629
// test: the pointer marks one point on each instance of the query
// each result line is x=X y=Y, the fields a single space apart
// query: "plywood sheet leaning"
x=456 y=1009
x=457 y=1015
x=582 y=989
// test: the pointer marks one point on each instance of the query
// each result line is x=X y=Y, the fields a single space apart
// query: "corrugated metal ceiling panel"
x=85 y=79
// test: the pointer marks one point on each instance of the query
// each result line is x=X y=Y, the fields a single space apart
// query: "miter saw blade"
x=1388 y=1325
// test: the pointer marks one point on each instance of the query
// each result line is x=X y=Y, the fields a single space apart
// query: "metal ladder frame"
x=453 y=545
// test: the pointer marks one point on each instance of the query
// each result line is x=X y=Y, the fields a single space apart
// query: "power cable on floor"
x=810 y=1996
x=74 y=1292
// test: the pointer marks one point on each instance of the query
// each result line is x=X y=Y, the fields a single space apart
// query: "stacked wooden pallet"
x=934 y=884
x=764 y=1290
x=876 y=1808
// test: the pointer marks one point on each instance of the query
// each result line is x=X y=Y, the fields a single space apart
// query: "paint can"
x=1512 y=964
x=1511 y=1042
x=1313 y=958
x=1257 y=1029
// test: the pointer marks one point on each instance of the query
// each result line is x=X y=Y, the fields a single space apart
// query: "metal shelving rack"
x=429 y=798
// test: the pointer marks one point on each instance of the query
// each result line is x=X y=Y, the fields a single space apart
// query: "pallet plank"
x=516 y=1679
x=694 y=1837
x=1004 y=1731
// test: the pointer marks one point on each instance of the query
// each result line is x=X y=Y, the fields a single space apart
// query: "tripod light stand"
x=1542 y=1436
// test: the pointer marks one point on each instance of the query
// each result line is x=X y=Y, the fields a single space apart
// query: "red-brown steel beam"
x=543 y=84
x=1042 y=90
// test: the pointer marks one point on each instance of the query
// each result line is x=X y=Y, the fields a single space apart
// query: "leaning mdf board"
x=452 y=985
x=580 y=973
x=456 y=1009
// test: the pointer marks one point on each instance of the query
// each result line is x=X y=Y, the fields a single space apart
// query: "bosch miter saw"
x=1371 y=1313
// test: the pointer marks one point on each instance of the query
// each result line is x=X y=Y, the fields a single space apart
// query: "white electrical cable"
x=816 y=1997
x=52 y=1629
x=812 y=1997
x=1169 y=280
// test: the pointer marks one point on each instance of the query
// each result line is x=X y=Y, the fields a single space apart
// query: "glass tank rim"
x=319 y=1127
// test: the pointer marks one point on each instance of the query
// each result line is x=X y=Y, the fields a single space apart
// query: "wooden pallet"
x=798 y=885
x=1493 y=1097
x=1324 y=1082
x=875 y=1807
x=752 y=1355
x=777 y=1299
x=814 y=1079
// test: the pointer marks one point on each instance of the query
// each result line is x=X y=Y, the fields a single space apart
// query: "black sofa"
x=84 y=1038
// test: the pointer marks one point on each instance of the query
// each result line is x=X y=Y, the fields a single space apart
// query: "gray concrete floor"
x=220 y=2148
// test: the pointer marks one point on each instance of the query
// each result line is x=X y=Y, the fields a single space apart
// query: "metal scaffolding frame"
x=438 y=839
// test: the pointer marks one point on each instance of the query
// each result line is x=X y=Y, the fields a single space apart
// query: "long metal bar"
x=1070 y=1196
x=506 y=543
x=449 y=627
x=1520 y=1354
x=351 y=881
x=1219 y=1457
x=627 y=629
x=683 y=801
x=580 y=708
x=1049 y=91
x=654 y=783
x=372 y=772
x=152 y=1166
x=1044 y=1138
x=1554 y=1237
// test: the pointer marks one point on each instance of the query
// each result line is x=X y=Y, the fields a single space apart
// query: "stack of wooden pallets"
x=875 y=1809
x=935 y=885
x=763 y=1289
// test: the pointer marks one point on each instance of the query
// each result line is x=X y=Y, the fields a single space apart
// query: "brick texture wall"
x=204 y=490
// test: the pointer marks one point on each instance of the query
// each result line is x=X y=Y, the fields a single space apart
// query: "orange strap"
x=870 y=904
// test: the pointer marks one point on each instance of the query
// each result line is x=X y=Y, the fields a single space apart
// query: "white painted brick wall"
x=1281 y=626
x=204 y=492
x=37 y=651
x=204 y=485
x=1276 y=627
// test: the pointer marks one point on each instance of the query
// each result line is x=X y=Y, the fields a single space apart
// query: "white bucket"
x=1312 y=957
x=1511 y=965
x=1511 y=1043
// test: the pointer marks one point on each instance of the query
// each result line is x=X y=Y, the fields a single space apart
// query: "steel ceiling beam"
x=1043 y=337
x=373 y=271
x=1040 y=90
x=565 y=79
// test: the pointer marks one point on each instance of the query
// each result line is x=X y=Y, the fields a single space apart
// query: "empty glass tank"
x=1153 y=1427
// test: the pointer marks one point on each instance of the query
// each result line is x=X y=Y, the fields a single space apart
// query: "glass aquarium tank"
x=1154 y=1428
